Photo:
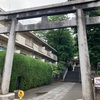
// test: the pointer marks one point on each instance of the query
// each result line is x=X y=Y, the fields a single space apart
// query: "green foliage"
x=62 y=66
x=41 y=34
x=62 y=41
x=57 y=18
x=93 y=35
x=54 y=69
x=94 y=12
x=94 y=43
x=58 y=68
x=33 y=72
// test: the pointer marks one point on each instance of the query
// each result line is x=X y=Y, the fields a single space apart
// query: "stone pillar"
x=84 y=57
x=44 y=20
x=9 y=59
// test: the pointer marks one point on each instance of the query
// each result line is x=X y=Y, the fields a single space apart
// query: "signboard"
x=97 y=81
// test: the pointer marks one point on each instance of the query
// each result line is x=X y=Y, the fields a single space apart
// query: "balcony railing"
x=39 y=49
x=54 y=57
x=48 y=53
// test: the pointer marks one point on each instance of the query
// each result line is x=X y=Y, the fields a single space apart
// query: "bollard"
x=20 y=94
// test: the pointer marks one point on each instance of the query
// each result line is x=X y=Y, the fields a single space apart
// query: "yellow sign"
x=20 y=94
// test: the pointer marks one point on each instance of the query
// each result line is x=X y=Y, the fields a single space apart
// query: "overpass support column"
x=9 y=59
x=87 y=90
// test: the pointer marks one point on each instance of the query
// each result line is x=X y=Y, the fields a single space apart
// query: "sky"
x=8 y=5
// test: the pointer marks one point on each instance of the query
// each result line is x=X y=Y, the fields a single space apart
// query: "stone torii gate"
x=78 y=7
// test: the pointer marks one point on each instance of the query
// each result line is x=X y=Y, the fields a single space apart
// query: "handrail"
x=65 y=74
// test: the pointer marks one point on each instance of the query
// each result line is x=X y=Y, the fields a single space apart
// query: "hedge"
x=32 y=72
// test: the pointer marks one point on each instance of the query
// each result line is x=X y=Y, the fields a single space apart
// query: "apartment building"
x=28 y=43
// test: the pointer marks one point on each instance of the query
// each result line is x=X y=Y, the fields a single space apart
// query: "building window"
x=17 y=51
x=33 y=56
x=17 y=36
x=22 y=53
x=40 y=48
x=43 y=60
x=49 y=53
x=29 y=42
x=50 y=62
x=43 y=48
x=2 y=48
x=55 y=57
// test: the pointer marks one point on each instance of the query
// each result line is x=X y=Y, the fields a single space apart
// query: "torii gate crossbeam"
x=51 y=25
x=62 y=8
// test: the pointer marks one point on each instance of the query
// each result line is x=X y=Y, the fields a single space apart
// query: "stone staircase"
x=73 y=76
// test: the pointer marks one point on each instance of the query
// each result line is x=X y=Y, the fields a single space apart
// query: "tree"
x=93 y=35
x=62 y=41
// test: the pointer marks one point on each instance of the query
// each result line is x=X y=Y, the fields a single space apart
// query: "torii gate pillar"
x=9 y=60
x=87 y=90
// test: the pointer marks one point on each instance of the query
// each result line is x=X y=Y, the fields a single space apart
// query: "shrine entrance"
x=79 y=7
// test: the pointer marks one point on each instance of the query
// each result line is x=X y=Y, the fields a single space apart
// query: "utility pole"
x=87 y=89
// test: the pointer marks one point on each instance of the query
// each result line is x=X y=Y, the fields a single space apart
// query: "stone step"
x=73 y=76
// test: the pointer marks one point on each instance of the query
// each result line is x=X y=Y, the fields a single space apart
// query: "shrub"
x=28 y=71
x=55 y=69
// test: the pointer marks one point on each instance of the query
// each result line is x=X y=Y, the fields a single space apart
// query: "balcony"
x=20 y=39
x=48 y=53
x=29 y=43
x=54 y=57
x=44 y=52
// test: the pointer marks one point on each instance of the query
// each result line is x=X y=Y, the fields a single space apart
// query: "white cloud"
x=9 y=5
x=21 y=4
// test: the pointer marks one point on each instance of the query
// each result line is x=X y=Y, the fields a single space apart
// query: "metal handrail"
x=65 y=74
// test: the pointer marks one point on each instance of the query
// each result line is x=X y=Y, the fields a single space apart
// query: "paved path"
x=74 y=94
x=55 y=91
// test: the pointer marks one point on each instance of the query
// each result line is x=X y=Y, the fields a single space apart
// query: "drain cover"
x=41 y=93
